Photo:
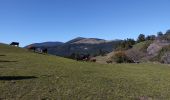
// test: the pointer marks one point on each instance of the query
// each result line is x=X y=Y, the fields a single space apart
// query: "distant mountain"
x=92 y=46
x=75 y=40
x=81 y=40
x=46 y=44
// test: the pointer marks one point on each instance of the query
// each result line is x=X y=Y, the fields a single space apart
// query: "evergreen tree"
x=141 y=38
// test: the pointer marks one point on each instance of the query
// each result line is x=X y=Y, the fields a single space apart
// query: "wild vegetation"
x=145 y=48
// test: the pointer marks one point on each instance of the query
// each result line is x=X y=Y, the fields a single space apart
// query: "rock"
x=156 y=46
x=166 y=58
x=153 y=49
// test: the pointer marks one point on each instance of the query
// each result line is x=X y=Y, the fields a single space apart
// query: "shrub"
x=120 y=57
x=134 y=55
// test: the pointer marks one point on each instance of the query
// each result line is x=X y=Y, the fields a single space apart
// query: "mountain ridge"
x=81 y=45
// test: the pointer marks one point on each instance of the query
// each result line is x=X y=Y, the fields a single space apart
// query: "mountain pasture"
x=25 y=75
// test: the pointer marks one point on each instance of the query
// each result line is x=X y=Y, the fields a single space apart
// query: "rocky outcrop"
x=156 y=46
x=166 y=58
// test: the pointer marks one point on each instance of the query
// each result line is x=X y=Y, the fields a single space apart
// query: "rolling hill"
x=47 y=44
x=25 y=75
x=92 y=46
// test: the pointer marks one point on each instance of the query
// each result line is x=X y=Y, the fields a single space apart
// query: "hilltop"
x=25 y=75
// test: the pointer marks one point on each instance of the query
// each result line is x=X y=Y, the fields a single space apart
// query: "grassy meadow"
x=25 y=75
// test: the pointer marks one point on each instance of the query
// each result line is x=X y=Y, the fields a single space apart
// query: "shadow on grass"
x=9 y=78
x=2 y=55
x=7 y=61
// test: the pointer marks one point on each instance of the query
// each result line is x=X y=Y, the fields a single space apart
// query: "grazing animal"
x=86 y=57
x=32 y=48
x=83 y=57
x=109 y=61
x=38 y=50
x=45 y=50
x=93 y=60
x=15 y=44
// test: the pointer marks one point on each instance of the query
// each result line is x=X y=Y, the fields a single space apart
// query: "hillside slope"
x=26 y=75
x=80 y=45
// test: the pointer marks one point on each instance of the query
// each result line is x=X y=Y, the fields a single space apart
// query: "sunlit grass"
x=50 y=77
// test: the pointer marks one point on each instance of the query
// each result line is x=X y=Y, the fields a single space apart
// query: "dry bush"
x=135 y=55
x=120 y=57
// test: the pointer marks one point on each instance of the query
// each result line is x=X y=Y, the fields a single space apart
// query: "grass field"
x=29 y=76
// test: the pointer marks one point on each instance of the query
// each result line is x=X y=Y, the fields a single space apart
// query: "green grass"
x=143 y=45
x=63 y=79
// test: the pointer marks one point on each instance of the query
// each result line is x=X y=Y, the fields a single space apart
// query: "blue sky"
x=30 y=21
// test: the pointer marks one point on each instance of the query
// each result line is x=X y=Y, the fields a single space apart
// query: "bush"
x=120 y=57
x=135 y=55
x=162 y=53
